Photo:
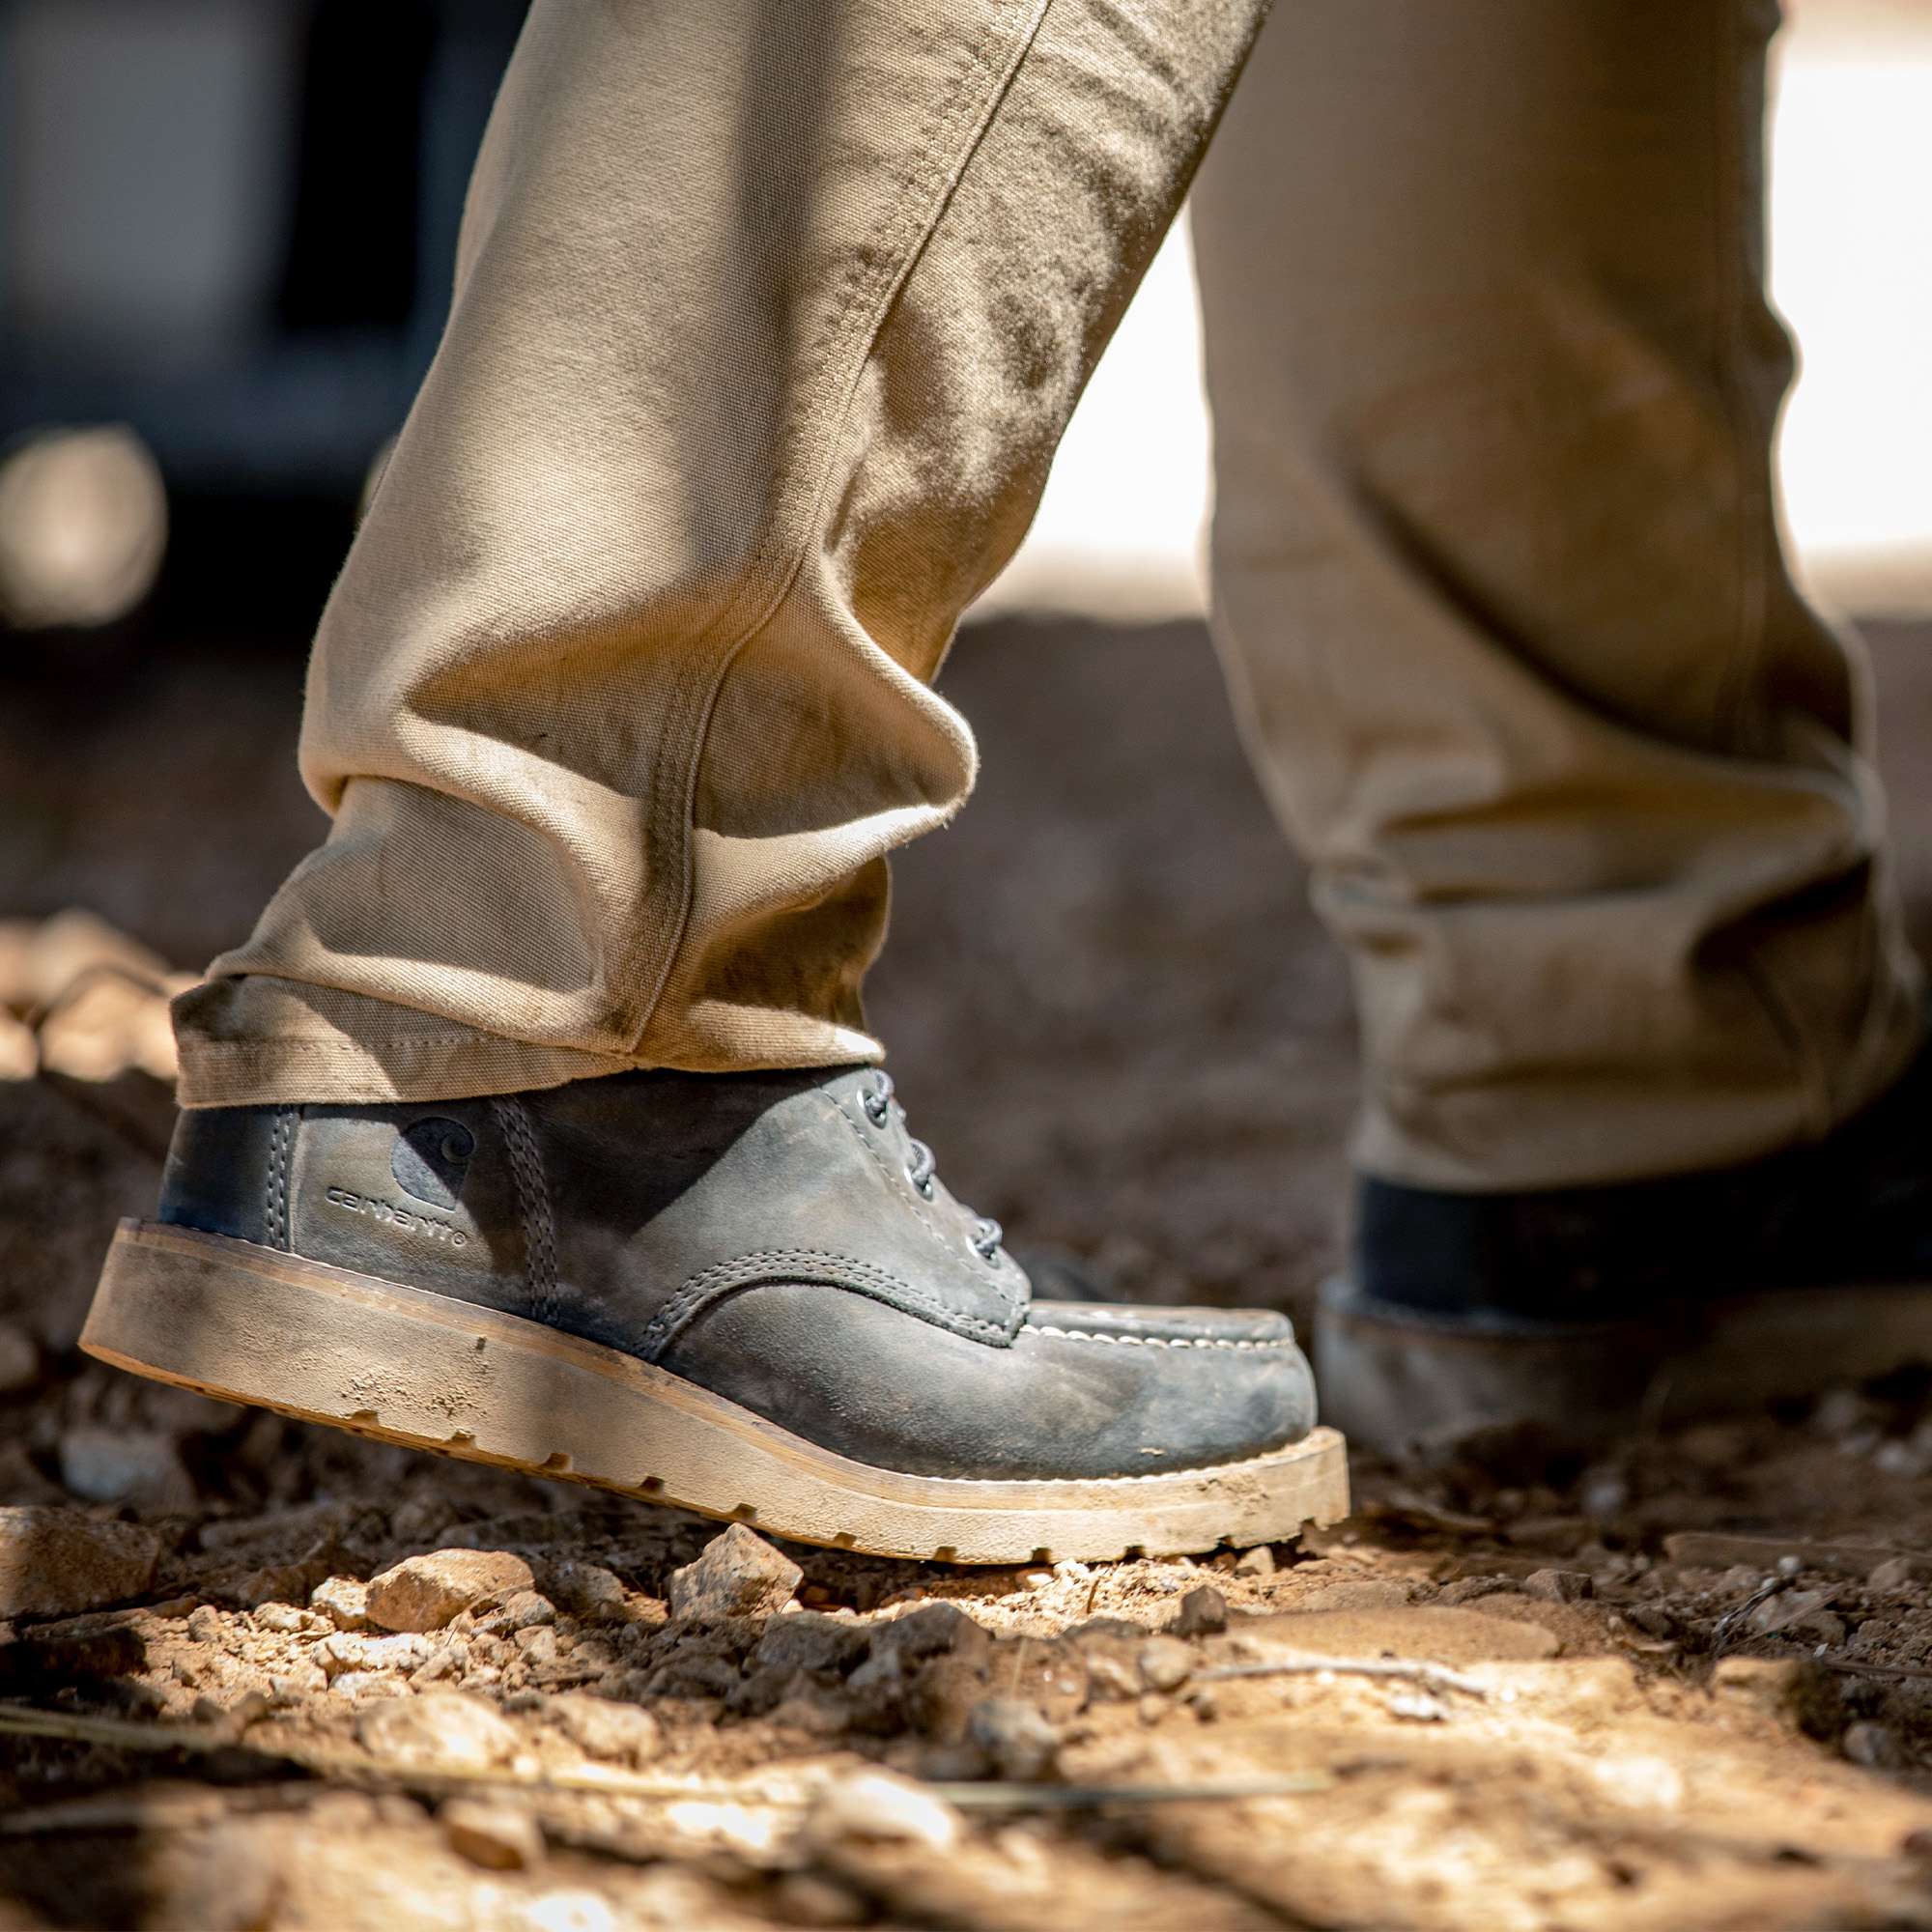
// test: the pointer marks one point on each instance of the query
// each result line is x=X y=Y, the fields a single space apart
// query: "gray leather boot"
x=746 y=1294
x=1583 y=1312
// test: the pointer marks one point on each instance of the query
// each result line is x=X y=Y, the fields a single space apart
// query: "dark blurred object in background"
x=226 y=237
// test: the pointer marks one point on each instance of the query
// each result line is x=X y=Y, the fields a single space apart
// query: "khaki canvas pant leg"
x=769 y=314
x=1581 y=778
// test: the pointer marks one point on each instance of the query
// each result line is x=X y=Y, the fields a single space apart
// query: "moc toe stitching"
x=824 y=1271
x=1151 y=1341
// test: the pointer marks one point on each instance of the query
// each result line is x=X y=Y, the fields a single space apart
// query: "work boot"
x=1588 y=1310
x=747 y=1295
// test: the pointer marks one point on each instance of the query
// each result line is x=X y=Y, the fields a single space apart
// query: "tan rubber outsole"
x=251 y=1325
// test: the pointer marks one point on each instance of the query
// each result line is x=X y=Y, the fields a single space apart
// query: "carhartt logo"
x=410 y=1221
x=431 y=1160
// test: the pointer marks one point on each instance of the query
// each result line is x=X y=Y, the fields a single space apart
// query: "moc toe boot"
x=747 y=1295
x=1583 y=1312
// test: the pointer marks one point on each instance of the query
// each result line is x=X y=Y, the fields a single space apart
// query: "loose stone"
x=738 y=1574
x=423 y=1593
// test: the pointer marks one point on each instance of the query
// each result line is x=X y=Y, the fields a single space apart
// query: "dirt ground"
x=1687 y=1685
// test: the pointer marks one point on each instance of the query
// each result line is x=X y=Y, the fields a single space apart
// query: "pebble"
x=1559 y=1586
x=1203 y=1613
x=1417 y=1707
x=284 y=1619
x=1014 y=1734
x=931 y=1630
x=343 y=1601
x=204 y=1624
x=1256 y=1562
x=611 y=1732
x=588 y=1591
x=1789 y=1606
x=811 y=1641
x=538 y=1643
x=346 y=1650
x=1165 y=1664
x=738 y=1574
x=20 y=1359
x=445 y=1728
x=56 y=1562
x=1896 y=1573
x=873 y=1806
x=449 y=1659
x=519 y=1611
x=1467 y=1589
x=498 y=1837
x=423 y=1593
x=117 y=1465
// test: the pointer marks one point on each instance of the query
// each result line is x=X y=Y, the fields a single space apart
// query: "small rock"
x=1793 y=1690
x=738 y=1574
x=116 y=1465
x=1111 y=1667
x=304 y=1680
x=811 y=1641
x=519 y=1611
x=588 y=1591
x=285 y=1620
x=55 y=1562
x=539 y=1644
x=1789 y=1606
x=1417 y=1707
x=204 y=1624
x=346 y=1650
x=1165 y=1664
x=1896 y=1573
x=445 y=1728
x=931 y=1631
x=1559 y=1586
x=493 y=1835
x=1203 y=1613
x=1871 y=1746
x=447 y=1661
x=1256 y=1562
x=1822 y=1626
x=423 y=1593
x=19 y=1360
x=1467 y=1589
x=343 y=1601
x=611 y=1732
x=1019 y=1740
x=875 y=1808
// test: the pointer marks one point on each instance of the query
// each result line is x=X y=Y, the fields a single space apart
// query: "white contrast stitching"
x=1149 y=1341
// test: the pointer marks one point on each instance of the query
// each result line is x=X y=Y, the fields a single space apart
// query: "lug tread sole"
x=255 y=1325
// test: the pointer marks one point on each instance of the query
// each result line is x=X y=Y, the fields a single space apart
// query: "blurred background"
x=226 y=236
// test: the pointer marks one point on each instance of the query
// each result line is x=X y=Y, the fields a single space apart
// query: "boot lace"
x=921 y=1170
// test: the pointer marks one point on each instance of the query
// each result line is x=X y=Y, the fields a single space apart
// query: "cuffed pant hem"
x=264 y=1041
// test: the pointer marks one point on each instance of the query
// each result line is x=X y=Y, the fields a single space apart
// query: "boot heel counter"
x=227 y=1172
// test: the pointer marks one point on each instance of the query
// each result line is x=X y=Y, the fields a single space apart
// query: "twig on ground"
x=1435 y=1676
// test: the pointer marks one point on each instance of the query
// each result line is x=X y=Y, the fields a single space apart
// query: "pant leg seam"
x=880 y=265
